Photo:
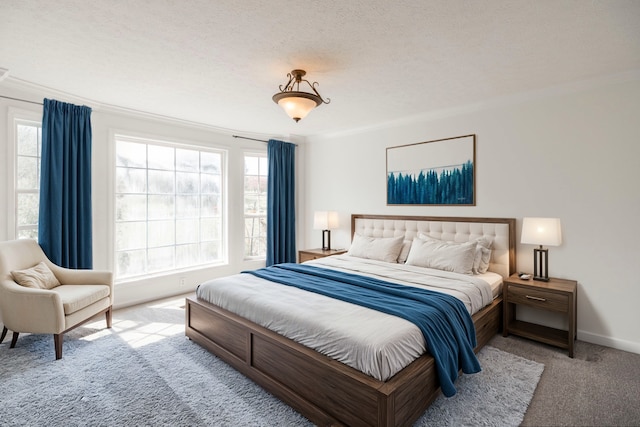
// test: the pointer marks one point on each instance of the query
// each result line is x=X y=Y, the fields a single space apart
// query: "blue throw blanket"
x=444 y=321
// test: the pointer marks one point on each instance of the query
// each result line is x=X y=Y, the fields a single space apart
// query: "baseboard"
x=618 y=344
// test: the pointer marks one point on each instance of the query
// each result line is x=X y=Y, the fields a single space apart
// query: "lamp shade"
x=325 y=220
x=297 y=104
x=541 y=231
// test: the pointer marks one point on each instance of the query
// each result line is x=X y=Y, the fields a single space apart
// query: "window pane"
x=251 y=205
x=187 y=160
x=131 y=207
x=187 y=183
x=131 y=235
x=187 y=207
x=131 y=180
x=210 y=162
x=210 y=183
x=255 y=205
x=130 y=263
x=264 y=166
x=161 y=259
x=27 y=173
x=211 y=206
x=27 y=140
x=161 y=233
x=161 y=157
x=28 y=233
x=27 y=178
x=131 y=155
x=27 y=209
x=251 y=165
x=211 y=251
x=251 y=184
x=210 y=229
x=161 y=207
x=187 y=231
x=161 y=182
x=187 y=255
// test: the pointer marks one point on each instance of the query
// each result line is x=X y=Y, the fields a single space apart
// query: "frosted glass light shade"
x=296 y=104
x=325 y=220
x=541 y=231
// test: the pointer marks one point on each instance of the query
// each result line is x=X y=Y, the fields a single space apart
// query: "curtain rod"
x=252 y=139
x=22 y=100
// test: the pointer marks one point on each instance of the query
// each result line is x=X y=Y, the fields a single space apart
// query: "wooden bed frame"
x=322 y=389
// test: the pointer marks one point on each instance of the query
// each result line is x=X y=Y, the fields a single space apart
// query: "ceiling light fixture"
x=295 y=103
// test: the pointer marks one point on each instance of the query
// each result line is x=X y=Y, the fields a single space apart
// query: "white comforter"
x=378 y=344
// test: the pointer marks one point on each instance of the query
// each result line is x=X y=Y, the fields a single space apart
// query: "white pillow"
x=378 y=248
x=447 y=256
x=38 y=277
x=483 y=256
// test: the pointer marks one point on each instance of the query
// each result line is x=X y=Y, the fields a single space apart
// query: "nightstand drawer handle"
x=536 y=298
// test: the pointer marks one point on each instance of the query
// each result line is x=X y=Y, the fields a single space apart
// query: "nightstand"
x=309 y=254
x=556 y=295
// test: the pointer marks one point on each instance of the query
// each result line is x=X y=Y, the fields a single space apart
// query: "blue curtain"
x=64 y=227
x=281 y=207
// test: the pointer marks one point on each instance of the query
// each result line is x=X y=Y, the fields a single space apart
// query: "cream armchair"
x=81 y=295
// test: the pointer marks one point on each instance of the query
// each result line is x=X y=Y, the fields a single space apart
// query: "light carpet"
x=173 y=381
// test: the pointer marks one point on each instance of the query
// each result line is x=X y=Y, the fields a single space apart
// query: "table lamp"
x=541 y=231
x=325 y=221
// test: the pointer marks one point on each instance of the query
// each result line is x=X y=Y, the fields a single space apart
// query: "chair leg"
x=14 y=339
x=57 y=340
x=108 y=315
x=4 y=334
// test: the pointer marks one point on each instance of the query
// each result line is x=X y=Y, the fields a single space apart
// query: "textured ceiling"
x=219 y=62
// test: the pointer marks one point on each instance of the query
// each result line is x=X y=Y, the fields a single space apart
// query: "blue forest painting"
x=440 y=172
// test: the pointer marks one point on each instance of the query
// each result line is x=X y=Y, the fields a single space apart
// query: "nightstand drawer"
x=308 y=257
x=310 y=254
x=538 y=298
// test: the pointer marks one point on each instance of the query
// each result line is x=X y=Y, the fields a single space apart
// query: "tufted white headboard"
x=501 y=231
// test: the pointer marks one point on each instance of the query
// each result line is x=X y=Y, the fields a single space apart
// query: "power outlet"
x=182 y=282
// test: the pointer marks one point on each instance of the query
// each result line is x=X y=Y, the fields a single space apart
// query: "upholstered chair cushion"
x=76 y=298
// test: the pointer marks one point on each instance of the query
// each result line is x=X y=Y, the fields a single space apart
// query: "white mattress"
x=377 y=344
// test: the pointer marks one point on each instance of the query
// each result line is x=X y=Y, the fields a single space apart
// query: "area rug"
x=175 y=382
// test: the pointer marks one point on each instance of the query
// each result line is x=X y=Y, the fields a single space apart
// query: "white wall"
x=571 y=153
x=107 y=121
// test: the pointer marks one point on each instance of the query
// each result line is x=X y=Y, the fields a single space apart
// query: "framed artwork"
x=440 y=172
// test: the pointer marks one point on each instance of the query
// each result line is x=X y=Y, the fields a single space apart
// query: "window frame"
x=259 y=154
x=164 y=141
x=15 y=118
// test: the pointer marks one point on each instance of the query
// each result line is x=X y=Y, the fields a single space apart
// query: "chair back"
x=18 y=255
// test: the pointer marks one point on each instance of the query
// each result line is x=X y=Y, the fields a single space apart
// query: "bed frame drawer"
x=540 y=299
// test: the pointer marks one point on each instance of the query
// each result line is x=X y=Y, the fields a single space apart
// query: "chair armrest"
x=68 y=276
x=31 y=310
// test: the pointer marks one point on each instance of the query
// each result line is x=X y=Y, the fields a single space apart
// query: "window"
x=28 y=143
x=255 y=205
x=169 y=206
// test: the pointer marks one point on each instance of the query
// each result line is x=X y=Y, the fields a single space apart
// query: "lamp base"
x=541 y=264
x=326 y=240
x=541 y=279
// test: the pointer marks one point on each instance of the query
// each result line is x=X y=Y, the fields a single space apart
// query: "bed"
x=330 y=392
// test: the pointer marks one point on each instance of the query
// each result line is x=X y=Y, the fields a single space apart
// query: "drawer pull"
x=536 y=298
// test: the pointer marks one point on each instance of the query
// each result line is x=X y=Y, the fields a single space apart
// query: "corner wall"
x=572 y=154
